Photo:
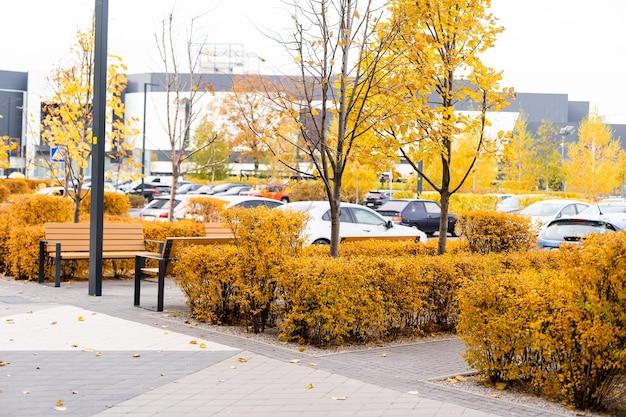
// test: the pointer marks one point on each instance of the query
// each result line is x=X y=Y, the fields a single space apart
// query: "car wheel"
x=285 y=199
x=321 y=242
x=430 y=234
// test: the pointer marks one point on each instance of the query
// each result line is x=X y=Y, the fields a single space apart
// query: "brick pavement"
x=104 y=357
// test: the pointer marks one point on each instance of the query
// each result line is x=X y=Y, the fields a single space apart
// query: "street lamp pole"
x=143 y=139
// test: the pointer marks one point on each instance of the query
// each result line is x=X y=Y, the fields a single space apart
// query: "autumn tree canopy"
x=68 y=122
x=438 y=71
x=594 y=166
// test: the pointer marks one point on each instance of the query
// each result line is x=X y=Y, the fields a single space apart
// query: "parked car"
x=185 y=188
x=544 y=211
x=240 y=189
x=571 y=230
x=418 y=213
x=356 y=220
x=158 y=209
x=214 y=189
x=277 y=192
x=148 y=191
x=612 y=211
x=376 y=198
x=56 y=191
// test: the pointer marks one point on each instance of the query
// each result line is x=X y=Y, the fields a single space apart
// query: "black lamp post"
x=143 y=139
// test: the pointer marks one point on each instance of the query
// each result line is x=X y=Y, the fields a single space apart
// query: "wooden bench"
x=170 y=251
x=71 y=241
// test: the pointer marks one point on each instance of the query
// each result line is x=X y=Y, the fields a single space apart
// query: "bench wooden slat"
x=119 y=241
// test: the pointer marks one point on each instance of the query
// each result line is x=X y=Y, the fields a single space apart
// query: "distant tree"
x=182 y=93
x=210 y=151
x=517 y=158
x=594 y=161
x=250 y=117
x=5 y=147
x=67 y=125
x=546 y=160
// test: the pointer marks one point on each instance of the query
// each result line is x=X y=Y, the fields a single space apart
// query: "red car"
x=277 y=192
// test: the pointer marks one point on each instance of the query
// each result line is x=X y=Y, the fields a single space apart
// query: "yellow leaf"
x=309 y=386
x=294 y=361
x=136 y=355
x=98 y=354
x=193 y=342
x=339 y=398
x=242 y=360
x=81 y=318
x=60 y=403
x=202 y=345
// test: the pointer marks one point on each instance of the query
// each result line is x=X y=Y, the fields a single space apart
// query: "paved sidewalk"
x=67 y=353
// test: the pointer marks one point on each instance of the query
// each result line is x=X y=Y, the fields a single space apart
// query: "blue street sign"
x=56 y=155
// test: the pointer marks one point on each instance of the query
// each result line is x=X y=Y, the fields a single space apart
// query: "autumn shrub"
x=560 y=331
x=490 y=231
x=136 y=201
x=207 y=274
x=264 y=238
x=22 y=250
x=39 y=209
x=17 y=185
x=310 y=190
x=113 y=203
x=329 y=301
x=205 y=209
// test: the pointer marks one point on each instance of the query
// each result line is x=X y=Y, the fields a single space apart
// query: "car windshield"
x=542 y=209
x=574 y=230
x=393 y=205
x=605 y=208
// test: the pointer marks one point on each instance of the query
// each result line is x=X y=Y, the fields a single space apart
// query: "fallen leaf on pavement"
x=193 y=342
x=339 y=398
x=294 y=361
x=242 y=360
x=81 y=318
x=136 y=355
x=309 y=386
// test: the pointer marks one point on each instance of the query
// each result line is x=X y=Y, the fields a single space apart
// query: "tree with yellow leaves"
x=333 y=46
x=441 y=92
x=594 y=160
x=67 y=125
x=517 y=158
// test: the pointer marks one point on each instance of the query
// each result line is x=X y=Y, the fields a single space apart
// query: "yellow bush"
x=39 y=209
x=23 y=251
x=206 y=275
x=489 y=231
x=205 y=209
x=561 y=330
x=264 y=239
x=113 y=204
x=310 y=190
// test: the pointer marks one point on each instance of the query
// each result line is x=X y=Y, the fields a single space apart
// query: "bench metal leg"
x=140 y=262
x=57 y=270
x=42 y=261
x=161 y=289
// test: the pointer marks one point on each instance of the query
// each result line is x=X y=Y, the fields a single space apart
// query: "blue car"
x=571 y=230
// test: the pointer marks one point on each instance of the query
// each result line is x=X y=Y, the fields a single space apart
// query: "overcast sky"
x=574 y=47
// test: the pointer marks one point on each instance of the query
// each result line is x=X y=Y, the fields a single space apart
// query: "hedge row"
x=559 y=329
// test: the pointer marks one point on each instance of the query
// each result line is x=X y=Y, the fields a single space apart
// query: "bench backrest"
x=74 y=237
x=173 y=245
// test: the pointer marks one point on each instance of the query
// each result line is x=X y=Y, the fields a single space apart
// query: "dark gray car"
x=423 y=214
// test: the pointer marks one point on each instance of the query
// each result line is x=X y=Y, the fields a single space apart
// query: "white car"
x=611 y=211
x=158 y=208
x=542 y=212
x=356 y=220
